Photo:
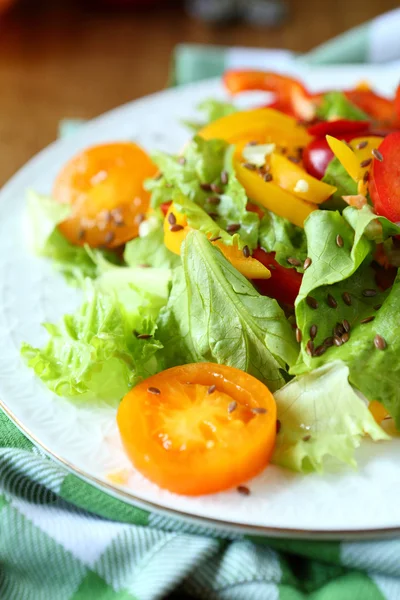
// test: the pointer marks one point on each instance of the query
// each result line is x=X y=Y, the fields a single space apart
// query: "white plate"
x=85 y=439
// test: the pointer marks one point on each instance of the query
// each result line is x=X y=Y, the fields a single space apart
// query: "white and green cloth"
x=62 y=539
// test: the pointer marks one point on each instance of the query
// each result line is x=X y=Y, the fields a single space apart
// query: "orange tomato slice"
x=199 y=428
x=104 y=186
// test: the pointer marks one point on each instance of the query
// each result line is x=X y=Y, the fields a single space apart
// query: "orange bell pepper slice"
x=378 y=411
x=262 y=125
x=290 y=92
x=297 y=181
x=176 y=230
x=273 y=197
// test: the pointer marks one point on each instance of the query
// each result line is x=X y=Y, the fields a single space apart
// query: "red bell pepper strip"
x=338 y=127
x=284 y=284
x=384 y=184
x=379 y=108
x=290 y=92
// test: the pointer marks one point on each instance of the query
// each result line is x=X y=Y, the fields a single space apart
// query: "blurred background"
x=78 y=58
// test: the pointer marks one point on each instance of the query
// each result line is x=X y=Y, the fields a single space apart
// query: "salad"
x=241 y=300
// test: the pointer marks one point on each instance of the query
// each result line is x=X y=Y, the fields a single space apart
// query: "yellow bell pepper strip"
x=263 y=125
x=290 y=92
x=249 y=267
x=271 y=196
x=356 y=157
x=297 y=181
x=176 y=230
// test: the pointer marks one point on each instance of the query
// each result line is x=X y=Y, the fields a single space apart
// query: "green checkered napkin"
x=61 y=539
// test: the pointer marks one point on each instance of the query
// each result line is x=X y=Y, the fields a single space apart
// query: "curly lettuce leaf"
x=215 y=314
x=212 y=110
x=338 y=270
x=150 y=250
x=44 y=239
x=94 y=354
x=335 y=105
x=318 y=422
x=203 y=162
x=279 y=235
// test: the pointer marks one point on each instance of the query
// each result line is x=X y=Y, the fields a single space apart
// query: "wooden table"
x=68 y=61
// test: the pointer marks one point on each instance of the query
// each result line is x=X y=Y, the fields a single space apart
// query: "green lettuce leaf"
x=336 y=106
x=337 y=176
x=150 y=250
x=338 y=270
x=282 y=237
x=44 y=239
x=212 y=110
x=373 y=371
x=215 y=314
x=203 y=162
x=93 y=354
x=318 y=422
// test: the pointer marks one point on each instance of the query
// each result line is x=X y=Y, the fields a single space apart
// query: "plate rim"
x=225 y=527
x=128 y=497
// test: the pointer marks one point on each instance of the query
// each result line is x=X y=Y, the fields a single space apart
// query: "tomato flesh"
x=384 y=185
x=191 y=438
x=104 y=187
x=284 y=284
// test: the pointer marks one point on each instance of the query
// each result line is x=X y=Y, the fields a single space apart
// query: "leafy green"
x=321 y=415
x=213 y=110
x=150 y=250
x=337 y=176
x=139 y=290
x=336 y=270
x=93 y=354
x=214 y=314
x=44 y=239
x=335 y=105
x=203 y=162
x=279 y=235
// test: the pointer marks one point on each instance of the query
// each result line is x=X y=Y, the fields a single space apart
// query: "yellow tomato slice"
x=104 y=187
x=199 y=429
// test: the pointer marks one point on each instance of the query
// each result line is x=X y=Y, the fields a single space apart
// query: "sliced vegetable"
x=381 y=109
x=385 y=178
x=290 y=92
x=295 y=180
x=176 y=229
x=284 y=284
x=262 y=125
x=104 y=187
x=273 y=197
x=337 y=128
x=199 y=429
x=287 y=241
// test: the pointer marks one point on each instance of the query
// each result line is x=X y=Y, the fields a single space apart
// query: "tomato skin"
x=165 y=207
x=284 y=284
x=335 y=128
x=104 y=186
x=384 y=185
x=316 y=157
x=167 y=435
